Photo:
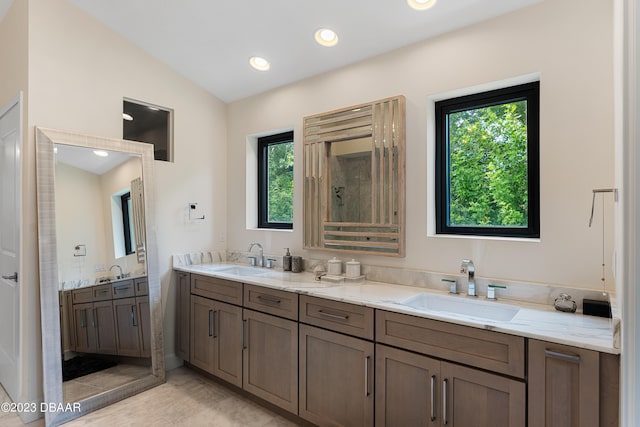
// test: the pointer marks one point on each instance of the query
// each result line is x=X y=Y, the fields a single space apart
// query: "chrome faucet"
x=261 y=256
x=469 y=269
x=120 y=268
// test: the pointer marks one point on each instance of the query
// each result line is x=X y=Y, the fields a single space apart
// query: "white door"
x=10 y=197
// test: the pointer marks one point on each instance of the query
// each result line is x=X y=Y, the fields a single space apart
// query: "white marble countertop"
x=532 y=320
x=71 y=285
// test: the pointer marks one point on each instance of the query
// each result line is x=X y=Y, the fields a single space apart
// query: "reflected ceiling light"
x=126 y=116
x=55 y=150
x=421 y=4
x=259 y=63
x=153 y=108
x=100 y=153
x=326 y=37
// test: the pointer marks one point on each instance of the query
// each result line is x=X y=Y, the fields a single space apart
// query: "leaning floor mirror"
x=100 y=293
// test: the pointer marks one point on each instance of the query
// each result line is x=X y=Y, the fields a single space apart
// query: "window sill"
x=285 y=230
x=498 y=238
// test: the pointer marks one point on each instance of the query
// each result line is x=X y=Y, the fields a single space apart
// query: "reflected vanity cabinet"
x=112 y=318
x=132 y=317
x=93 y=320
x=183 y=301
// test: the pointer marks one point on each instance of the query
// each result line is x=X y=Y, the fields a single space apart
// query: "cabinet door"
x=144 y=313
x=227 y=339
x=201 y=352
x=66 y=324
x=271 y=359
x=84 y=327
x=127 y=324
x=407 y=388
x=471 y=397
x=563 y=386
x=183 y=297
x=105 y=328
x=336 y=378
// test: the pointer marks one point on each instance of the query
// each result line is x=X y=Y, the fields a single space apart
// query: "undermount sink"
x=457 y=305
x=241 y=271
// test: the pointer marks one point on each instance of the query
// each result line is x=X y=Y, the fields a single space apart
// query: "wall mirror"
x=100 y=293
x=354 y=179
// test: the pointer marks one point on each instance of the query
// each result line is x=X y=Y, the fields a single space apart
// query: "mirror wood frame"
x=384 y=122
x=49 y=300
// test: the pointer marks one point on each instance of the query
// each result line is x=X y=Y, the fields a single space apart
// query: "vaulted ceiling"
x=210 y=41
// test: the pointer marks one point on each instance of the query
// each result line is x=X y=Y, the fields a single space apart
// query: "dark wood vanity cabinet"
x=570 y=386
x=315 y=357
x=216 y=338
x=270 y=359
x=183 y=301
x=336 y=370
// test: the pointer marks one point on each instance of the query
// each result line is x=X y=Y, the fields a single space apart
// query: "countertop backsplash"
x=530 y=292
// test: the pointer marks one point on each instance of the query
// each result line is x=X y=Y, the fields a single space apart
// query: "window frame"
x=126 y=224
x=263 y=181
x=529 y=92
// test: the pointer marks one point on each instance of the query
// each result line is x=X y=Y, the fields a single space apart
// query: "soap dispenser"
x=286 y=261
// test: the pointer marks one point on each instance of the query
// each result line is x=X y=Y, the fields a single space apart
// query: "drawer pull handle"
x=333 y=316
x=366 y=376
x=433 y=397
x=444 y=402
x=244 y=326
x=268 y=300
x=210 y=322
x=569 y=357
x=133 y=316
x=95 y=318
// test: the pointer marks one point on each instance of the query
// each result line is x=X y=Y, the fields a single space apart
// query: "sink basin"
x=456 y=305
x=241 y=271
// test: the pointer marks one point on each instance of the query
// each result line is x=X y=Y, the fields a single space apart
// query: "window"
x=487 y=163
x=149 y=123
x=127 y=223
x=275 y=181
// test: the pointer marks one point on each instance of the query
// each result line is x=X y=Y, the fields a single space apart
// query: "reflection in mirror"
x=96 y=245
x=98 y=275
x=354 y=178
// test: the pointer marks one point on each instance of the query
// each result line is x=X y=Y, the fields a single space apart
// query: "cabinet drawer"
x=102 y=292
x=271 y=301
x=123 y=289
x=82 y=295
x=493 y=351
x=218 y=289
x=338 y=316
x=142 y=286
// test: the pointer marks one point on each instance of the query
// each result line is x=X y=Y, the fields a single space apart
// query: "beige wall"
x=79 y=72
x=569 y=43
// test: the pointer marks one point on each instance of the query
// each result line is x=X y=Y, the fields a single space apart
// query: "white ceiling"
x=84 y=158
x=210 y=41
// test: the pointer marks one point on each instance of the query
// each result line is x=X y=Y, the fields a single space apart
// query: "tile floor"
x=186 y=399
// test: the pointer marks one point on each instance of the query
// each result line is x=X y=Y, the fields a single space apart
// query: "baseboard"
x=171 y=361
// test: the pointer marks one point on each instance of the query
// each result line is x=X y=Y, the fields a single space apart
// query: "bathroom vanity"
x=357 y=355
x=110 y=318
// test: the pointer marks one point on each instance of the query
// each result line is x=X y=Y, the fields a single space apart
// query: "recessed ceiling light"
x=259 y=63
x=126 y=116
x=100 y=153
x=421 y=4
x=326 y=37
